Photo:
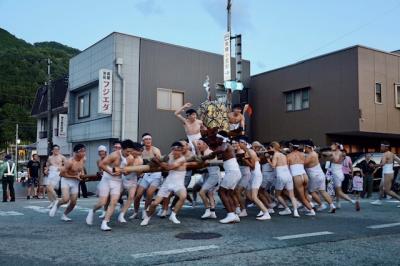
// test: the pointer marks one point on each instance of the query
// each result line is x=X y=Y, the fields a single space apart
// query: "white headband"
x=224 y=139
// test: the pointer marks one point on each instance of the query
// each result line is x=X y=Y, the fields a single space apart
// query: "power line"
x=372 y=21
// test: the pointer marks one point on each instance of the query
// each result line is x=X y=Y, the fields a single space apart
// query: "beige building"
x=351 y=96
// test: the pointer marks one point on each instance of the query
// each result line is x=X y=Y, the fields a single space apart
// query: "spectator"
x=348 y=173
x=368 y=167
x=8 y=173
x=82 y=186
x=33 y=176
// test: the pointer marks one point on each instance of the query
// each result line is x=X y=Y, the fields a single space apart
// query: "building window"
x=84 y=105
x=378 y=93
x=397 y=95
x=168 y=99
x=297 y=100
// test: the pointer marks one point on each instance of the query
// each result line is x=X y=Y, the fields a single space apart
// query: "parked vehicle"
x=356 y=158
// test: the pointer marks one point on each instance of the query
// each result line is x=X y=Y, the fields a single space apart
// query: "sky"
x=274 y=33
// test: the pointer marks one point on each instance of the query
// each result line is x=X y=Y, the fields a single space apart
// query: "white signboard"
x=62 y=125
x=105 y=91
x=227 y=56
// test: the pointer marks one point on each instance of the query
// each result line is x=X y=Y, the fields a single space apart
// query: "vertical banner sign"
x=105 y=91
x=227 y=56
x=62 y=125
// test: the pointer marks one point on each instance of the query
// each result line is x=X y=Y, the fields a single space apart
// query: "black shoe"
x=28 y=198
x=4 y=201
x=13 y=200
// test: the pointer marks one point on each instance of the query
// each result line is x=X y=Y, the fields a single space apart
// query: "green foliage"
x=23 y=69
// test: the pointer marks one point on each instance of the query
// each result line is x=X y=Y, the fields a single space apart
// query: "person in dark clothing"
x=8 y=177
x=33 y=176
x=82 y=186
x=368 y=167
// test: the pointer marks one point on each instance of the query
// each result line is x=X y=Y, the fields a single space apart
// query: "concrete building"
x=351 y=96
x=150 y=80
x=59 y=117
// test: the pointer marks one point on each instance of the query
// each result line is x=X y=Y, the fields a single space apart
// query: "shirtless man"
x=244 y=179
x=269 y=176
x=387 y=173
x=173 y=183
x=103 y=188
x=211 y=181
x=112 y=165
x=317 y=178
x=336 y=158
x=187 y=153
x=236 y=119
x=284 y=179
x=150 y=181
x=54 y=164
x=191 y=124
x=129 y=179
x=71 y=174
x=296 y=160
x=251 y=159
x=232 y=175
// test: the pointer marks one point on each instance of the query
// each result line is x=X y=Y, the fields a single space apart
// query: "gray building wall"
x=334 y=107
x=147 y=65
x=178 y=68
x=84 y=72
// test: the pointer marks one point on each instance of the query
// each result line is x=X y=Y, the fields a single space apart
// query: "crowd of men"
x=273 y=177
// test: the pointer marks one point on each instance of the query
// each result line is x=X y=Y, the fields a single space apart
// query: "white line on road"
x=173 y=251
x=378 y=226
x=38 y=209
x=303 y=235
x=10 y=213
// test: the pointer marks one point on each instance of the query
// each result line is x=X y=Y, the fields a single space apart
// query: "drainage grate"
x=197 y=235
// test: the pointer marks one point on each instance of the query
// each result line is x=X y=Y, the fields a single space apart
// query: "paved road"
x=369 y=237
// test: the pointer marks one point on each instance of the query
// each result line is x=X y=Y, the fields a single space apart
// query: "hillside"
x=23 y=69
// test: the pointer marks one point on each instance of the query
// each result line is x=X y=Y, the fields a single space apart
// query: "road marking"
x=379 y=226
x=10 y=213
x=38 y=209
x=173 y=251
x=303 y=235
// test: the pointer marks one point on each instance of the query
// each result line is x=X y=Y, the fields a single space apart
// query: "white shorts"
x=269 y=179
x=168 y=187
x=192 y=138
x=45 y=181
x=317 y=179
x=231 y=179
x=151 y=179
x=388 y=169
x=129 y=183
x=255 y=181
x=245 y=177
x=109 y=186
x=71 y=184
x=54 y=179
x=337 y=174
x=211 y=181
x=284 y=179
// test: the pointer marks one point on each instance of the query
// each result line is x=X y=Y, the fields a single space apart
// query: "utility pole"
x=16 y=149
x=229 y=91
x=49 y=116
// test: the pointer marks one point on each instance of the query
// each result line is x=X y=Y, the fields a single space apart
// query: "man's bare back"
x=279 y=159
x=311 y=160
x=295 y=157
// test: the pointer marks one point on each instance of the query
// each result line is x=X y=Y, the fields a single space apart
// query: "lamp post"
x=17 y=141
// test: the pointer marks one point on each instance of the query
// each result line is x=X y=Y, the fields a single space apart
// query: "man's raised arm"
x=178 y=112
